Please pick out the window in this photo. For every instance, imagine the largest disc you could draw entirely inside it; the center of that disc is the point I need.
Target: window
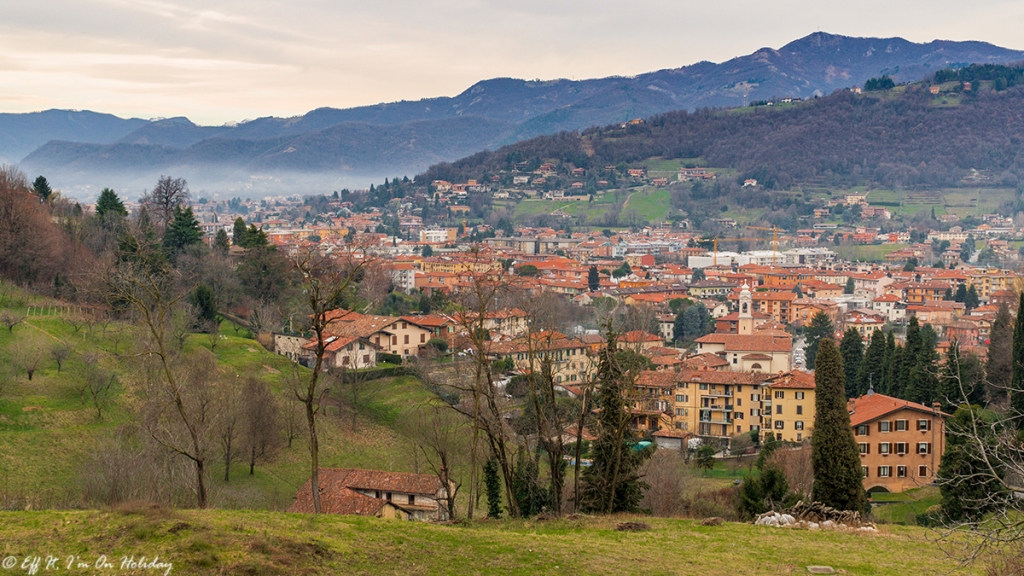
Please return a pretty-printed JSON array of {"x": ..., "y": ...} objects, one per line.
[
  {"x": 734, "y": 360},
  {"x": 864, "y": 471},
  {"x": 883, "y": 447},
  {"x": 901, "y": 426},
  {"x": 406, "y": 339},
  {"x": 863, "y": 447},
  {"x": 924, "y": 448},
  {"x": 703, "y": 386},
  {"x": 884, "y": 426},
  {"x": 799, "y": 395},
  {"x": 901, "y": 448},
  {"x": 778, "y": 408},
  {"x": 799, "y": 425},
  {"x": 862, "y": 430},
  {"x": 362, "y": 346},
  {"x": 780, "y": 394},
  {"x": 924, "y": 424},
  {"x": 405, "y": 325},
  {"x": 344, "y": 360},
  {"x": 901, "y": 471},
  {"x": 884, "y": 471},
  {"x": 366, "y": 358},
  {"x": 739, "y": 401},
  {"x": 779, "y": 425},
  {"x": 394, "y": 340},
  {"x": 423, "y": 338},
  {"x": 412, "y": 499},
  {"x": 922, "y": 471},
  {"x": 754, "y": 398},
  {"x": 799, "y": 436},
  {"x": 681, "y": 398},
  {"x": 753, "y": 412},
  {"x": 799, "y": 409},
  {"x": 389, "y": 497}
]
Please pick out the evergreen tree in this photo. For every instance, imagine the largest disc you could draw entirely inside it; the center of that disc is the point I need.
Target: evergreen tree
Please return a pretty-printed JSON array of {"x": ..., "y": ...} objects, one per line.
[
  {"x": 530, "y": 496},
  {"x": 255, "y": 238},
  {"x": 1017, "y": 381},
  {"x": 42, "y": 188},
  {"x": 182, "y": 231},
  {"x": 960, "y": 380},
  {"x": 427, "y": 251},
  {"x": 205, "y": 303},
  {"x": 850, "y": 286},
  {"x": 896, "y": 380},
  {"x": 593, "y": 279},
  {"x": 820, "y": 327},
  {"x": 873, "y": 366},
  {"x": 493, "y": 488},
  {"x": 612, "y": 483},
  {"x": 970, "y": 483},
  {"x": 697, "y": 275},
  {"x": 108, "y": 205},
  {"x": 890, "y": 353},
  {"x": 768, "y": 491},
  {"x": 852, "y": 350},
  {"x": 221, "y": 243},
  {"x": 961, "y": 293},
  {"x": 239, "y": 232},
  {"x": 999, "y": 366},
  {"x": 971, "y": 300},
  {"x": 923, "y": 383},
  {"x": 838, "y": 480}
]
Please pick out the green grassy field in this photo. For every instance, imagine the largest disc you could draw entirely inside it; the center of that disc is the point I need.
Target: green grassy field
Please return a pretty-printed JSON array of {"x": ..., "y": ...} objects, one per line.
[
  {"x": 904, "y": 507},
  {"x": 247, "y": 542},
  {"x": 48, "y": 432}
]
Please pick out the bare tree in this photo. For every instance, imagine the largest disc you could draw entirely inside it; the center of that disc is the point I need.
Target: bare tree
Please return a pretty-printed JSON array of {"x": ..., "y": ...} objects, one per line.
[
  {"x": 795, "y": 463},
  {"x": 97, "y": 383},
  {"x": 667, "y": 476},
  {"x": 375, "y": 285},
  {"x": 261, "y": 420},
  {"x": 168, "y": 194},
  {"x": 178, "y": 390},
  {"x": 28, "y": 353},
  {"x": 11, "y": 319},
  {"x": 440, "y": 438},
  {"x": 352, "y": 389},
  {"x": 230, "y": 424},
  {"x": 60, "y": 352},
  {"x": 325, "y": 279}
]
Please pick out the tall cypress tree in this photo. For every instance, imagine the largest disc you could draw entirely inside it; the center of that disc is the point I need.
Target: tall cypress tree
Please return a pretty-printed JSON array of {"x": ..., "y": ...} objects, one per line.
[
  {"x": 834, "y": 454},
  {"x": 612, "y": 483},
  {"x": 852, "y": 351},
  {"x": 873, "y": 366},
  {"x": 1017, "y": 383},
  {"x": 895, "y": 381},
  {"x": 890, "y": 352},
  {"x": 999, "y": 366},
  {"x": 593, "y": 279},
  {"x": 239, "y": 230}
]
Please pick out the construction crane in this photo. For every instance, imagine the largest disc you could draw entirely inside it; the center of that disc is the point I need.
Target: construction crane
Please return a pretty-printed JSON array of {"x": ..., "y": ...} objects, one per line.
[
  {"x": 775, "y": 238},
  {"x": 714, "y": 243}
]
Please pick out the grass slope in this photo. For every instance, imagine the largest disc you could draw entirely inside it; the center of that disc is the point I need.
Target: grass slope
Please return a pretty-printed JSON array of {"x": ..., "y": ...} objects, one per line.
[
  {"x": 237, "y": 542},
  {"x": 48, "y": 432}
]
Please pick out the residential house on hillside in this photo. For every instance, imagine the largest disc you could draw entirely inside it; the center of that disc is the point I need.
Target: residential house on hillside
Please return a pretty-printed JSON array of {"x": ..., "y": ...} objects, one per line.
[{"x": 397, "y": 495}]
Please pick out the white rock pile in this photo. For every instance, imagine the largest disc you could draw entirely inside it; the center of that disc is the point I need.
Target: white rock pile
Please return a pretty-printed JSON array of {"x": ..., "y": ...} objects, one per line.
[{"x": 815, "y": 516}]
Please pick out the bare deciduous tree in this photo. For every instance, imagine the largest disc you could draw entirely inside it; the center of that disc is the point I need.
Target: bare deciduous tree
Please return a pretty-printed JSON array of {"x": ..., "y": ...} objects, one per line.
[
  {"x": 325, "y": 280},
  {"x": 261, "y": 420},
  {"x": 11, "y": 319},
  {"x": 440, "y": 438},
  {"x": 28, "y": 353},
  {"x": 168, "y": 194},
  {"x": 60, "y": 352},
  {"x": 97, "y": 383},
  {"x": 230, "y": 423}
]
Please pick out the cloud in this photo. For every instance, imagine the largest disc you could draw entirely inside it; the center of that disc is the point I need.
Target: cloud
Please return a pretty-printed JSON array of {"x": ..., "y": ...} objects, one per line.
[{"x": 221, "y": 60}]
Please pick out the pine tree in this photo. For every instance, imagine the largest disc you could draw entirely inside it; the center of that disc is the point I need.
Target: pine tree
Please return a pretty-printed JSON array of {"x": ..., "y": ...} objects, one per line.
[
  {"x": 852, "y": 350},
  {"x": 971, "y": 300},
  {"x": 108, "y": 205},
  {"x": 873, "y": 366},
  {"x": 923, "y": 383},
  {"x": 834, "y": 454},
  {"x": 896, "y": 380},
  {"x": 612, "y": 483},
  {"x": 593, "y": 279},
  {"x": 183, "y": 231},
  {"x": 221, "y": 243},
  {"x": 819, "y": 327},
  {"x": 850, "y": 286},
  {"x": 1017, "y": 382},
  {"x": 239, "y": 230},
  {"x": 999, "y": 366},
  {"x": 42, "y": 188},
  {"x": 890, "y": 352}
]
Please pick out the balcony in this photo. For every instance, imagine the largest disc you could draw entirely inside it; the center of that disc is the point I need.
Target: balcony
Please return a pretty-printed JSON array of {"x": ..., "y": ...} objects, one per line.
[
  {"x": 711, "y": 420},
  {"x": 718, "y": 407},
  {"x": 727, "y": 394}
]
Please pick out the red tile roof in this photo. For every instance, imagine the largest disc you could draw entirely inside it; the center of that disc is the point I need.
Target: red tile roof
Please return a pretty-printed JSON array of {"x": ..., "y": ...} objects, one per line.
[
  {"x": 872, "y": 406},
  {"x": 750, "y": 342},
  {"x": 797, "y": 379}
]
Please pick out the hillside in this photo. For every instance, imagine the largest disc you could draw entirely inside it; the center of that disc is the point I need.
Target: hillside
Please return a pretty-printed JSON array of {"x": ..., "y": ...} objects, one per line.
[
  {"x": 905, "y": 138},
  {"x": 226, "y": 542},
  {"x": 491, "y": 113},
  {"x": 51, "y": 438}
]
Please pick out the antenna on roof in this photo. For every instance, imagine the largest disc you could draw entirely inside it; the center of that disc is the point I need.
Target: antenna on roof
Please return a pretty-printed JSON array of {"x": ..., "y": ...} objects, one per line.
[{"x": 871, "y": 387}]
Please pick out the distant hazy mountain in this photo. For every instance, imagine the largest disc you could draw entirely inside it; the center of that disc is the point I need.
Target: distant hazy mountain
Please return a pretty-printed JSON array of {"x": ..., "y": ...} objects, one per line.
[{"x": 328, "y": 148}]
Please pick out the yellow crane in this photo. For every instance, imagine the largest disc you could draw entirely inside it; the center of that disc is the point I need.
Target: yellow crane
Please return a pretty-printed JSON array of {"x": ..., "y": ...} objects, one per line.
[
  {"x": 714, "y": 242},
  {"x": 775, "y": 238}
]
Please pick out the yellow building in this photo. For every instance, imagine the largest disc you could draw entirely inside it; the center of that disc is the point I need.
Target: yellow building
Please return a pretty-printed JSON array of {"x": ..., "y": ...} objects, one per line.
[{"x": 788, "y": 406}]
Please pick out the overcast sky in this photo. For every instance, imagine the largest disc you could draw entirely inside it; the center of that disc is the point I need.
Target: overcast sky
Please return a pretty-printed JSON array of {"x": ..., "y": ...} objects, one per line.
[{"x": 226, "y": 60}]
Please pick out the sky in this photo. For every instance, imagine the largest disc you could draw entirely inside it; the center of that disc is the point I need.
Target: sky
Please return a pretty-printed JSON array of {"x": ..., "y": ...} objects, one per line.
[{"x": 218, "y": 61}]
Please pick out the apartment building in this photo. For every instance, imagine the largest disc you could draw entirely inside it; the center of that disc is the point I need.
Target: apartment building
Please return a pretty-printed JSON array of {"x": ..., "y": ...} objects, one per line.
[
  {"x": 900, "y": 442},
  {"x": 787, "y": 406}
]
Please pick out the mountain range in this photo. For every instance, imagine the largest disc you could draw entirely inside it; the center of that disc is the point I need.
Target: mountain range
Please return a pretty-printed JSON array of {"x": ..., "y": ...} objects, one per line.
[{"x": 328, "y": 148}]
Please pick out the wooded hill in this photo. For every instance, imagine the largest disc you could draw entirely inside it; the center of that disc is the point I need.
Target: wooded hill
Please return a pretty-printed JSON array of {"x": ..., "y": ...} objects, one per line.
[{"x": 906, "y": 137}]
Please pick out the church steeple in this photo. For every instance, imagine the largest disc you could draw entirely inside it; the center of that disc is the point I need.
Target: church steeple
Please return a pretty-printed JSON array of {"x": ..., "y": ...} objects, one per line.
[{"x": 746, "y": 318}]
